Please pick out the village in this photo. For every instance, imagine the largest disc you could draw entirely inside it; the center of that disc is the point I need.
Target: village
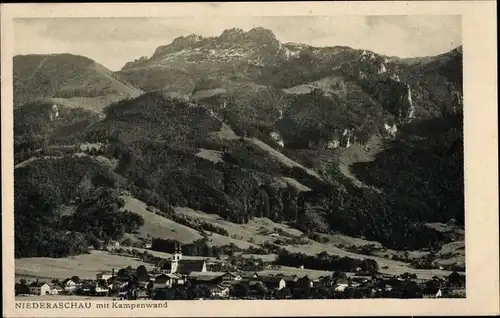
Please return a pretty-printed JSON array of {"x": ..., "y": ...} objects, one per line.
[{"x": 183, "y": 279}]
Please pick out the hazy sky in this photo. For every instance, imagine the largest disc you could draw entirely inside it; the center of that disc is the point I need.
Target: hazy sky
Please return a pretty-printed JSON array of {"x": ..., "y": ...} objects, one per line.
[{"x": 115, "y": 41}]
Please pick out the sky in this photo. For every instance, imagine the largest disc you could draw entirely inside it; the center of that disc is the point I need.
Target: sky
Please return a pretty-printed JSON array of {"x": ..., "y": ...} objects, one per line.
[{"x": 115, "y": 41}]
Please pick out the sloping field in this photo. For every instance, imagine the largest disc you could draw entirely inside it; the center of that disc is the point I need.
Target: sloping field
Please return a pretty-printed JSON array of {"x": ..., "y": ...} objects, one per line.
[
  {"x": 340, "y": 239},
  {"x": 297, "y": 185},
  {"x": 281, "y": 157},
  {"x": 220, "y": 240},
  {"x": 227, "y": 133},
  {"x": 84, "y": 266},
  {"x": 254, "y": 230},
  {"x": 296, "y": 271},
  {"x": 158, "y": 226},
  {"x": 358, "y": 153},
  {"x": 163, "y": 254}
]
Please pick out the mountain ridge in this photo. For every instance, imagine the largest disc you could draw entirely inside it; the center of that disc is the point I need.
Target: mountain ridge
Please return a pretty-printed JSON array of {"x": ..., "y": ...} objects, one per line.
[
  {"x": 261, "y": 127},
  {"x": 67, "y": 76}
]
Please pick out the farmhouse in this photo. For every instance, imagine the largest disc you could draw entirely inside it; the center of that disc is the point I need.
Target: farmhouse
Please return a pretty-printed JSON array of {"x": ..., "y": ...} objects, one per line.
[
  {"x": 105, "y": 275},
  {"x": 273, "y": 282},
  {"x": 219, "y": 291},
  {"x": 224, "y": 279},
  {"x": 69, "y": 285},
  {"x": 167, "y": 281},
  {"x": 55, "y": 289},
  {"x": 341, "y": 284},
  {"x": 39, "y": 288},
  {"x": 101, "y": 290}
]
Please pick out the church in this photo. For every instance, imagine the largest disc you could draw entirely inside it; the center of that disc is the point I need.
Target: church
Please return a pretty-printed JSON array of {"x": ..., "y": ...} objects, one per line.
[{"x": 177, "y": 265}]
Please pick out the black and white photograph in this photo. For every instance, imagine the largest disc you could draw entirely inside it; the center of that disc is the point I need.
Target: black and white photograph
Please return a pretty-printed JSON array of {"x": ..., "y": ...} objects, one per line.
[{"x": 238, "y": 158}]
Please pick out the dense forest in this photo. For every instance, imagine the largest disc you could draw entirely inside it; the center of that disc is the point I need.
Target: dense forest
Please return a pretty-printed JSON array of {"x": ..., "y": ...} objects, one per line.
[
  {"x": 156, "y": 153},
  {"x": 62, "y": 206}
]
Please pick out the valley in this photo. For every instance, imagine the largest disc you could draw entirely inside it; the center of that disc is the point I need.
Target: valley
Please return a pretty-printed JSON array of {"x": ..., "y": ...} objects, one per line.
[{"x": 240, "y": 148}]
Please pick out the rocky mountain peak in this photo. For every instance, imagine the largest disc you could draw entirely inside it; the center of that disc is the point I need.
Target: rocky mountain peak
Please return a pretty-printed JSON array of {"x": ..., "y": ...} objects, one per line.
[{"x": 232, "y": 34}]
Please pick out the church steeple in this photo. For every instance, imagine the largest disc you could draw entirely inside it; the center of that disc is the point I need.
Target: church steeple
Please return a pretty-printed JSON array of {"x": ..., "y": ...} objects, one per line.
[
  {"x": 178, "y": 252},
  {"x": 174, "y": 264}
]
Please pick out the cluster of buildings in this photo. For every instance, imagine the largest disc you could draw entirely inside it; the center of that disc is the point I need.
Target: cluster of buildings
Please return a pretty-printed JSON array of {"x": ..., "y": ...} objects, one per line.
[{"x": 179, "y": 272}]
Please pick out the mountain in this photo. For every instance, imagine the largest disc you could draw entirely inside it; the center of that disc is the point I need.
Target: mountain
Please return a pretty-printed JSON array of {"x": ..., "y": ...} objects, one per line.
[
  {"x": 243, "y": 127},
  {"x": 310, "y": 91},
  {"x": 66, "y": 79}
]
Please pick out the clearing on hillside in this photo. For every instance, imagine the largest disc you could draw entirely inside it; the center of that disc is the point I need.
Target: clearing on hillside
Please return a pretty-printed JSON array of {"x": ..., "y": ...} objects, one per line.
[{"x": 158, "y": 226}]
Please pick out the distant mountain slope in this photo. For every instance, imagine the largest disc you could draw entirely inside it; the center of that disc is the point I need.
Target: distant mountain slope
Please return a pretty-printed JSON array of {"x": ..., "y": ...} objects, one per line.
[
  {"x": 238, "y": 72},
  {"x": 243, "y": 126},
  {"x": 76, "y": 78}
]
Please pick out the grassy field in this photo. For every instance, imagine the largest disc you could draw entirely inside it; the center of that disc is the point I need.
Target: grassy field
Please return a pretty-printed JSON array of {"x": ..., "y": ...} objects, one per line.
[
  {"x": 84, "y": 266},
  {"x": 257, "y": 231},
  {"x": 252, "y": 231},
  {"x": 158, "y": 226}
]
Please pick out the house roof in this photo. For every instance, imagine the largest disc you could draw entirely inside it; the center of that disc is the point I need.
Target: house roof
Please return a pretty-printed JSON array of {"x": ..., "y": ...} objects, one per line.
[
  {"x": 38, "y": 284},
  {"x": 165, "y": 277},
  {"x": 205, "y": 276},
  {"x": 188, "y": 266},
  {"x": 342, "y": 281},
  {"x": 271, "y": 279},
  {"x": 213, "y": 274},
  {"x": 249, "y": 274},
  {"x": 249, "y": 282},
  {"x": 288, "y": 278}
]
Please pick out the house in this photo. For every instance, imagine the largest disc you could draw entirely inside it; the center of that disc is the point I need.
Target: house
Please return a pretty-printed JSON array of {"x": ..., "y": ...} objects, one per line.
[
  {"x": 305, "y": 282},
  {"x": 167, "y": 281},
  {"x": 341, "y": 284},
  {"x": 249, "y": 275},
  {"x": 437, "y": 294},
  {"x": 105, "y": 275},
  {"x": 242, "y": 284},
  {"x": 101, "y": 290},
  {"x": 273, "y": 282},
  {"x": 325, "y": 281},
  {"x": 205, "y": 278},
  {"x": 39, "y": 288},
  {"x": 219, "y": 291},
  {"x": 144, "y": 280},
  {"x": 290, "y": 280},
  {"x": 86, "y": 287},
  {"x": 177, "y": 265},
  {"x": 229, "y": 277},
  {"x": 141, "y": 294},
  {"x": 55, "y": 289},
  {"x": 69, "y": 285}
]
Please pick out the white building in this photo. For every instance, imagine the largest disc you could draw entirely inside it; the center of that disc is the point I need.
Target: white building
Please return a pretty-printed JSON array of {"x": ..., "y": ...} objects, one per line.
[
  {"x": 39, "y": 289},
  {"x": 70, "y": 285},
  {"x": 103, "y": 275}
]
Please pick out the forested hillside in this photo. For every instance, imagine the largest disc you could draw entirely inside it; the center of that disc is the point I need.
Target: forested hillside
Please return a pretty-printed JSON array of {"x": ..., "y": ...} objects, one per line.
[{"x": 240, "y": 126}]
